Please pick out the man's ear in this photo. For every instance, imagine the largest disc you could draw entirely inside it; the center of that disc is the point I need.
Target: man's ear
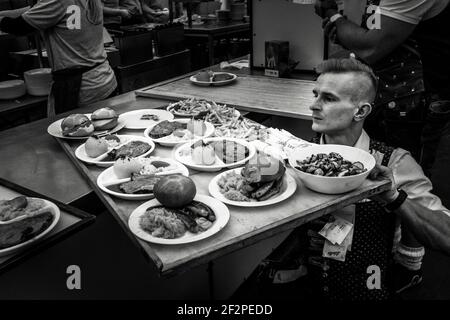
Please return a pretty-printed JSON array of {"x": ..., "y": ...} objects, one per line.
[{"x": 363, "y": 111}]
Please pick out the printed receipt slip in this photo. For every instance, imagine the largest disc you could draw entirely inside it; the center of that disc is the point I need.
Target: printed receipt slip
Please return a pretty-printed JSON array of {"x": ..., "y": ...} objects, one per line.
[
  {"x": 336, "y": 231},
  {"x": 339, "y": 236}
]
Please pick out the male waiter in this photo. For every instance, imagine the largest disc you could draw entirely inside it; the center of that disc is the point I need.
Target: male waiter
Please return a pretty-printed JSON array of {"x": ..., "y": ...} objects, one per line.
[{"x": 410, "y": 35}]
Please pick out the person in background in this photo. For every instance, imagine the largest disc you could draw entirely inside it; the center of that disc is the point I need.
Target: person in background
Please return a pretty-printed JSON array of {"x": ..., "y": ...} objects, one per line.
[
  {"x": 412, "y": 38},
  {"x": 113, "y": 14},
  {"x": 345, "y": 91},
  {"x": 73, "y": 34},
  {"x": 154, "y": 11},
  {"x": 134, "y": 7}
]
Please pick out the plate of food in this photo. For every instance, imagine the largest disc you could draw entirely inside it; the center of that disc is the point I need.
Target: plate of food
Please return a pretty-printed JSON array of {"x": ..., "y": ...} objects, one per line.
[
  {"x": 209, "y": 78},
  {"x": 178, "y": 215},
  {"x": 217, "y": 114},
  {"x": 240, "y": 129},
  {"x": 172, "y": 132},
  {"x": 261, "y": 182},
  {"x": 104, "y": 151},
  {"x": 143, "y": 118},
  {"x": 135, "y": 178},
  {"x": 331, "y": 168},
  {"x": 81, "y": 126},
  {"x": 222, "y": 115},
  {"x": 214, "y": 154},
  {"x": 24, "y": 221},
  {"x": 191, "y": 107}
]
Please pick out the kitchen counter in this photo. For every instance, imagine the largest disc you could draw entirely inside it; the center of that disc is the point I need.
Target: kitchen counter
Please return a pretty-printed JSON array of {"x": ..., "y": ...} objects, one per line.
[{"x": 24, "y": 102}]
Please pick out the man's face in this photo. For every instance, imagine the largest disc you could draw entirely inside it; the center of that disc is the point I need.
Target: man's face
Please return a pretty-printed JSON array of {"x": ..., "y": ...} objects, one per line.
[{"x": 333, "y": 109}]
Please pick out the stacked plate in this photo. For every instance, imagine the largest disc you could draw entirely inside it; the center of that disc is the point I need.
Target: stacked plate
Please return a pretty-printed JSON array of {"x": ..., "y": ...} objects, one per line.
[
  {"x": 38, "y": 81},
  {"x": 12, "y": 89}
]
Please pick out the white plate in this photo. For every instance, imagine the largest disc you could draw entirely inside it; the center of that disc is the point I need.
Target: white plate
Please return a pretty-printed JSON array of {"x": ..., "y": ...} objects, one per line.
[
  {"x": 183, "y": 155},
  {"x": 170, "y": 141},
  {"x": 220, "y": 210},
  {"x": 108, "y": 176},
  {"x": 172, "y": 110},
  {"x": 55, "y": 129},
  {"x": 56, "y": 215},
  {"x": 80, "y": 152},
  {"x": 133, "y": 120},
  {"x": 287, "y": 190},
  {"x": 194, "y": 80}
]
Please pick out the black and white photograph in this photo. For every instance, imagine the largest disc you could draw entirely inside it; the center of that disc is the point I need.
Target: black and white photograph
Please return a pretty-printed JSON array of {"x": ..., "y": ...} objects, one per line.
[{"x": 225, "y": 158}]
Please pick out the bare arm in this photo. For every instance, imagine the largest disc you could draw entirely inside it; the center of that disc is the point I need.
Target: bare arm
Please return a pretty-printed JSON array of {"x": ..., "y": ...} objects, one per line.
[
  {"x": 146, "y": 9},
  {"x": 431, "y": 228},
  {"x": 11, "y": 21},
  {"x": 14, "y": 13},
  {"x": 114, "y": 12},
  {"x": 373, "y": 45},
  {"x": 370, "y": 45}
]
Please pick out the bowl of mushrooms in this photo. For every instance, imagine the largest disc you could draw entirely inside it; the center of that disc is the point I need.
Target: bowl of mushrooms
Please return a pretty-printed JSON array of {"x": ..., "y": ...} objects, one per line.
[{"x": 331, "y": 168}]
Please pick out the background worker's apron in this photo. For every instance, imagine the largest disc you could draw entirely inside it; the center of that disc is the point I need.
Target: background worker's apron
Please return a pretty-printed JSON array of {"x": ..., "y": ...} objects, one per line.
[{"x": 65, "y": 91}]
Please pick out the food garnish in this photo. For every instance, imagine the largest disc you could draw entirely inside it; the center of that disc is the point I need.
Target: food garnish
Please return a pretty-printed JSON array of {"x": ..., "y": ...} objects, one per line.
[{"x": 152, "y": 117}]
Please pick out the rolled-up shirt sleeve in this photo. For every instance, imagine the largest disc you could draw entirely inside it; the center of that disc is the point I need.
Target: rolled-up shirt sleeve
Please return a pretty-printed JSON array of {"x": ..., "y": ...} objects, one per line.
[
  {"x": 409, "y": 176},
  {"x": 45, "y": 14},
  {"x": 410, "y": 11}
]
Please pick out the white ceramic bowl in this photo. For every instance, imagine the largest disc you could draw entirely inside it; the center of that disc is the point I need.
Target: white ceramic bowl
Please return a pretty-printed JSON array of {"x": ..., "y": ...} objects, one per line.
[
  {"x": 38, "y": 81},
  {"x": 333, "y": 185}
]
